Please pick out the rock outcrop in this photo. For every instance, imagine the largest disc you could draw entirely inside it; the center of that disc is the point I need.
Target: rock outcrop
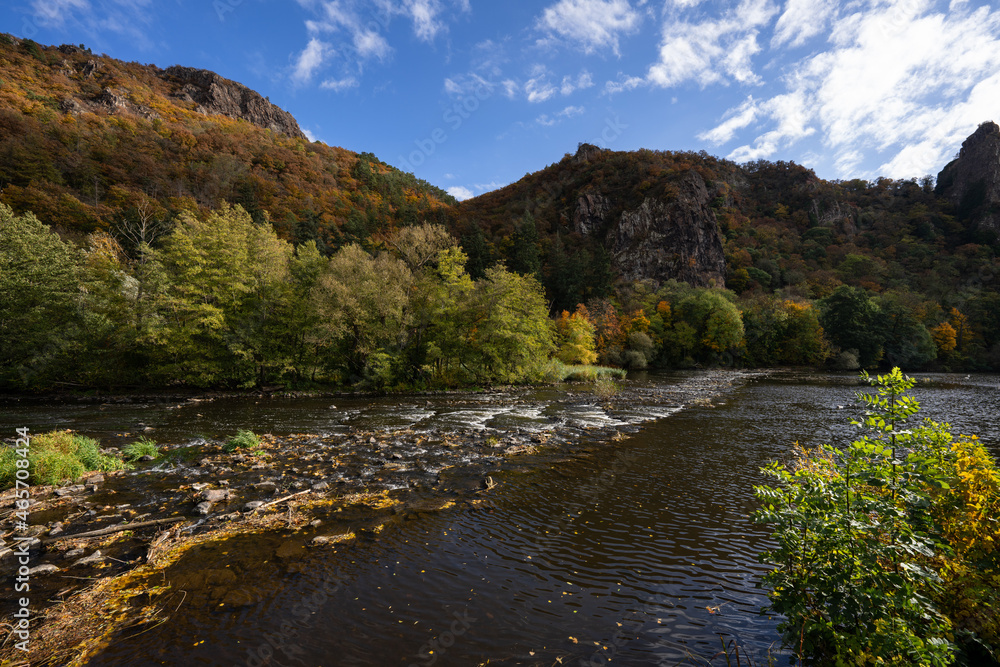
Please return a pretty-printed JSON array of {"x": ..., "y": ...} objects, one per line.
[
  {"x": 217, "y": 95},
  {"x": 590, "y": 214},
  {"x": 972, "y": 181},
  {"x": 675, "y": 239}
]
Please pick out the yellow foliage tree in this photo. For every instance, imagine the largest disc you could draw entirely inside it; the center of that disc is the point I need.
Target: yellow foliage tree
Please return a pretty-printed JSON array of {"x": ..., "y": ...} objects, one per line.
[
  {"x": 576, "y": 338},
  {"x": 945, "y": 336}
]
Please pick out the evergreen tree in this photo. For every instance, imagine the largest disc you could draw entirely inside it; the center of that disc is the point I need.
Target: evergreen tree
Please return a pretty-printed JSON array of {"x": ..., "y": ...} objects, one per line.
[{"x": 524, "y": 255}]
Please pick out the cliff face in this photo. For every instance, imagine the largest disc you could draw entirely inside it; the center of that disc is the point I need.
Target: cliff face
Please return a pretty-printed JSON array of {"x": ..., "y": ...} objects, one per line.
[
  {"x": 215, "y": 94},
  {"x": 972, "y": 182},
  {"x": 659, "y": 239},
  {"x": 676, "y": 239}
]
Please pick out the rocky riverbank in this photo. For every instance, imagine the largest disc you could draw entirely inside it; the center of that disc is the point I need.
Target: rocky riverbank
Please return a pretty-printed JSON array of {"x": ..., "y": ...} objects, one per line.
[{"x": 121, "y": 550}]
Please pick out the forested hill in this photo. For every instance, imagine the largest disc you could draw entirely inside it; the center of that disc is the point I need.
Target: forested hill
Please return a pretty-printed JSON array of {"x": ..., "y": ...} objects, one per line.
[
  {"x": 782, "y": 228},
  {"x": 91, "y": 143},
  {"x": 178, "y": 228}
]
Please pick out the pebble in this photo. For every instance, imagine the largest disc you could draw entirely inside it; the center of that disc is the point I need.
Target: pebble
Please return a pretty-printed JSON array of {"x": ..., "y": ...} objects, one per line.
[
  {"x": 252, "y": 505},
  {"x": 203, "y": 508},
  {"x": 45, "y": 568},
  {"x": 92, "y": 559}
]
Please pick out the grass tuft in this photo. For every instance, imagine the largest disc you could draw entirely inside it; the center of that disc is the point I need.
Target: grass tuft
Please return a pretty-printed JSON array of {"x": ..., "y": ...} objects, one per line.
[
  {"x": 139, "y": 448},
  {"x": 243, "y": 440}
]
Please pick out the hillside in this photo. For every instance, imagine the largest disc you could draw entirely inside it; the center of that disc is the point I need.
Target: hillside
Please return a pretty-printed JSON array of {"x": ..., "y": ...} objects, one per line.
[
  {"x": 923, "y": 259},
  {"x": 90, "y": 143},
  {"x": 162, "y": 270}
]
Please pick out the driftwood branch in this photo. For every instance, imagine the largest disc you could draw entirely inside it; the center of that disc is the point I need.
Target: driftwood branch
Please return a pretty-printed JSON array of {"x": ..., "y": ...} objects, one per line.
[
  {"x": 114, "y": 529},
  {"x": 280, "y": 500}
]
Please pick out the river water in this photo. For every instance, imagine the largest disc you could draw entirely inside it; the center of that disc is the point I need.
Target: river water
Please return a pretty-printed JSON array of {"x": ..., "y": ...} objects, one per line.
[{"x": 640, "y": 553}]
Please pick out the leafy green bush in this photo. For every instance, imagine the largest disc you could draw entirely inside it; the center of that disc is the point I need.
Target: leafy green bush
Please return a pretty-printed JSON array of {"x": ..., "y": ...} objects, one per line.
[
  {"x": 886, "y": 546},
  {"x": 55, "y": 457},
  {"x": 243, "y": 440},
  {"x": 141, "y": 447}
]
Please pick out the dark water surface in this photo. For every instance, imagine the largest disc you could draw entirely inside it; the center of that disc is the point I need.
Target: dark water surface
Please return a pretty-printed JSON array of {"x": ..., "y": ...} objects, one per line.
[{"x": 642, "y": 553}]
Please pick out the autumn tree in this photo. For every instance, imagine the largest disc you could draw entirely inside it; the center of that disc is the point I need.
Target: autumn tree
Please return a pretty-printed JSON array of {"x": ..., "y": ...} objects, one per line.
[{"x": 576, "y": 337}]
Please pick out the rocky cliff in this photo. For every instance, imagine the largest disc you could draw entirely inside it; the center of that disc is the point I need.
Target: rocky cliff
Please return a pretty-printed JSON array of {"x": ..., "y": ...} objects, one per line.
[
  {"x": 199, "y": 90},
  {"x": 659, "y": 239},
  {"x": 671, "y": 239},
  {"x": 972, "y": 181},
  {"x": 217, "y": 95}
]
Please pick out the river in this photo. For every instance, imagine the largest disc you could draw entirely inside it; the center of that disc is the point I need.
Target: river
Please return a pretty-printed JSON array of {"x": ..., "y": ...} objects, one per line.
[{"x": 639, "y": 552}]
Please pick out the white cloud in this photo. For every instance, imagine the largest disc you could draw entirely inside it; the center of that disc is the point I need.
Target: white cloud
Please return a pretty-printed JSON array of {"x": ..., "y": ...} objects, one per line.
[
  {"x": 582, "y": 82},
  {"x": 801, "y": 20},
  {"x": 737, "y": 119},
  {"x": 55, "y": 12},
  {"x": 365, "y": 26},
  {"x": 460, "y": 193},
  {"x": 339, "y": 85},
  {"x": 571, "y": 111},
  {"x": 424, "y": 14},
  {"x": 310, "y": 60},
  {"x": 539, "y": 88},
  {"x": 545, "y": 120},
  {"x": 309, "y": 135},
  {"x": 624, "y": 83},
  {"x": 590, "y": 25},
  {"x": 713, "y": 50},
  {"x": 370, "y": 44},
  {"x": 791, "y": 116},
  {"x": 900, "y": 86}
]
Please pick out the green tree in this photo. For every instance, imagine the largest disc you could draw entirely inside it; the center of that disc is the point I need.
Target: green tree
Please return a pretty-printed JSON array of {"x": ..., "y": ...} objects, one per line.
[
  {"x": 512, "y": 335},
  {"x": 850, "y": 320},
  {"x": 226, "y": 278},
  {"x": 707, "y": 326},
  {"x": 442, "y": 317},
  {"x": 361, "y": 302},
  {"x": 525, "y": 257},
  {"x": 40, "y": 302},
  {"x": 907, "y": 342}
]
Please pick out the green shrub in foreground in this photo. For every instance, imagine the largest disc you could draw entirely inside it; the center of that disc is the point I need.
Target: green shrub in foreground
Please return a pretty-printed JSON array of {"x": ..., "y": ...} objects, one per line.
[
  {"x": 56, "y": 457},
  {"x": 243, "y": 440},
  {"x": 887, "y": 545}
]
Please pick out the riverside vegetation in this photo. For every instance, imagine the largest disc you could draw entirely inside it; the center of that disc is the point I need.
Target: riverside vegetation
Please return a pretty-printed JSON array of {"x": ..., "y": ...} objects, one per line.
[{"x": 887, "y": 547}]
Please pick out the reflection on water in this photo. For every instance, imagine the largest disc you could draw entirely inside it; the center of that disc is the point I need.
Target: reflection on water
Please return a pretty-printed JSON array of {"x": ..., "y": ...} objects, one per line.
[{"x": 641, "y": 553}]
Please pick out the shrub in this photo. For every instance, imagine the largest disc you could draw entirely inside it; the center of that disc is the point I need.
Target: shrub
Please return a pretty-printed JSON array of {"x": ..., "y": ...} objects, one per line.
[
  {"x": 141, "y": 447},
  {"x": 604, "y": 387},
  {"x": 887, "y": 547},
  {"x": 243, "y": 440}
]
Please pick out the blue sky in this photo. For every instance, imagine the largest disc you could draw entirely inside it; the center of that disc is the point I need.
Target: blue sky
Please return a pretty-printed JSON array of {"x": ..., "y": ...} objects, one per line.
[{"x": 471, "y": 95}]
